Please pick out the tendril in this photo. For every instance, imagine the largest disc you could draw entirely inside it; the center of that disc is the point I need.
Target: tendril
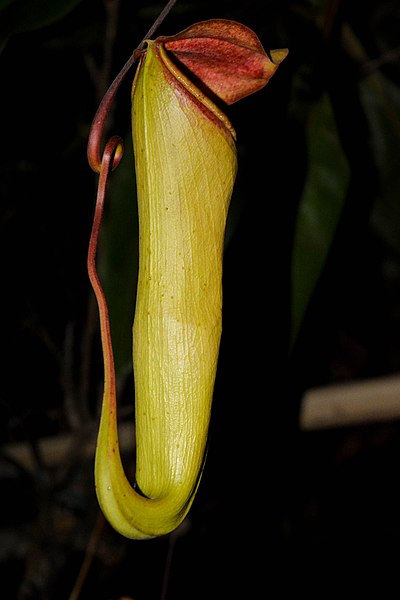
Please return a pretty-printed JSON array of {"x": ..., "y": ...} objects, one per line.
[
  {"x": 111, "y": 148},
  {"x": 94, "y": 155},
  {"x": 95, "y": 158}
]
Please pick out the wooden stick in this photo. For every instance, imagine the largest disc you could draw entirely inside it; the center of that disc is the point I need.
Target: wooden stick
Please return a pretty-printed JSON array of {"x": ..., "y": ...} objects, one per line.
[
  {"x": 56, "y": 449},
  {"x": 348, "y": 404}
]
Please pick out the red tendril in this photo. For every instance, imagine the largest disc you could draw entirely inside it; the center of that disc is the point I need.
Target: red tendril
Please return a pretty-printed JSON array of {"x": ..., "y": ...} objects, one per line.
[{"x": 94, "y": 155}]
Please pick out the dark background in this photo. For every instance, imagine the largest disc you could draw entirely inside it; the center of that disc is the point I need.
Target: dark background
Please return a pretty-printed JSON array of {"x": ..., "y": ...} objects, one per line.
[{"x": 279, "y": 510}]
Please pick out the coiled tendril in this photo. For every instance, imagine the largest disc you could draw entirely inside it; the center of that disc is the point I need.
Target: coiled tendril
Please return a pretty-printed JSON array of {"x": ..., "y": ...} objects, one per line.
[{"x": 114, "y": 147}]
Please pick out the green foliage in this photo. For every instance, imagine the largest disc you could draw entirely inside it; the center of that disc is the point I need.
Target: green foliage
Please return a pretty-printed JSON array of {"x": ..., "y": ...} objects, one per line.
[
  {"x": 18, "y": 16},
  {"x": 320, "y": 206},
  {"x": 381, "y": 101}
]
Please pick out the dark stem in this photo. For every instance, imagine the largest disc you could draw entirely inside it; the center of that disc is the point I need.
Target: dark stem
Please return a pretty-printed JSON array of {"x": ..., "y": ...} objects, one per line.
[{"x": 157, "y": 22}]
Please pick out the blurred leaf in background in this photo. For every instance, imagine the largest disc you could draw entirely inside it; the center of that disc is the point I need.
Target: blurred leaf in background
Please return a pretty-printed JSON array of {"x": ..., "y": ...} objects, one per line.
[
  {"x": 320, "y": 206},
  {"x": 19, "y": 16}
]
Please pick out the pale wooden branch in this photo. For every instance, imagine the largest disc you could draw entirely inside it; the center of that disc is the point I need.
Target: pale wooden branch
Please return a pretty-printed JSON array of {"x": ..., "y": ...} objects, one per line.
[
  {"x": 56, "y": 450},
  {"x": 351, "y": 404}
]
